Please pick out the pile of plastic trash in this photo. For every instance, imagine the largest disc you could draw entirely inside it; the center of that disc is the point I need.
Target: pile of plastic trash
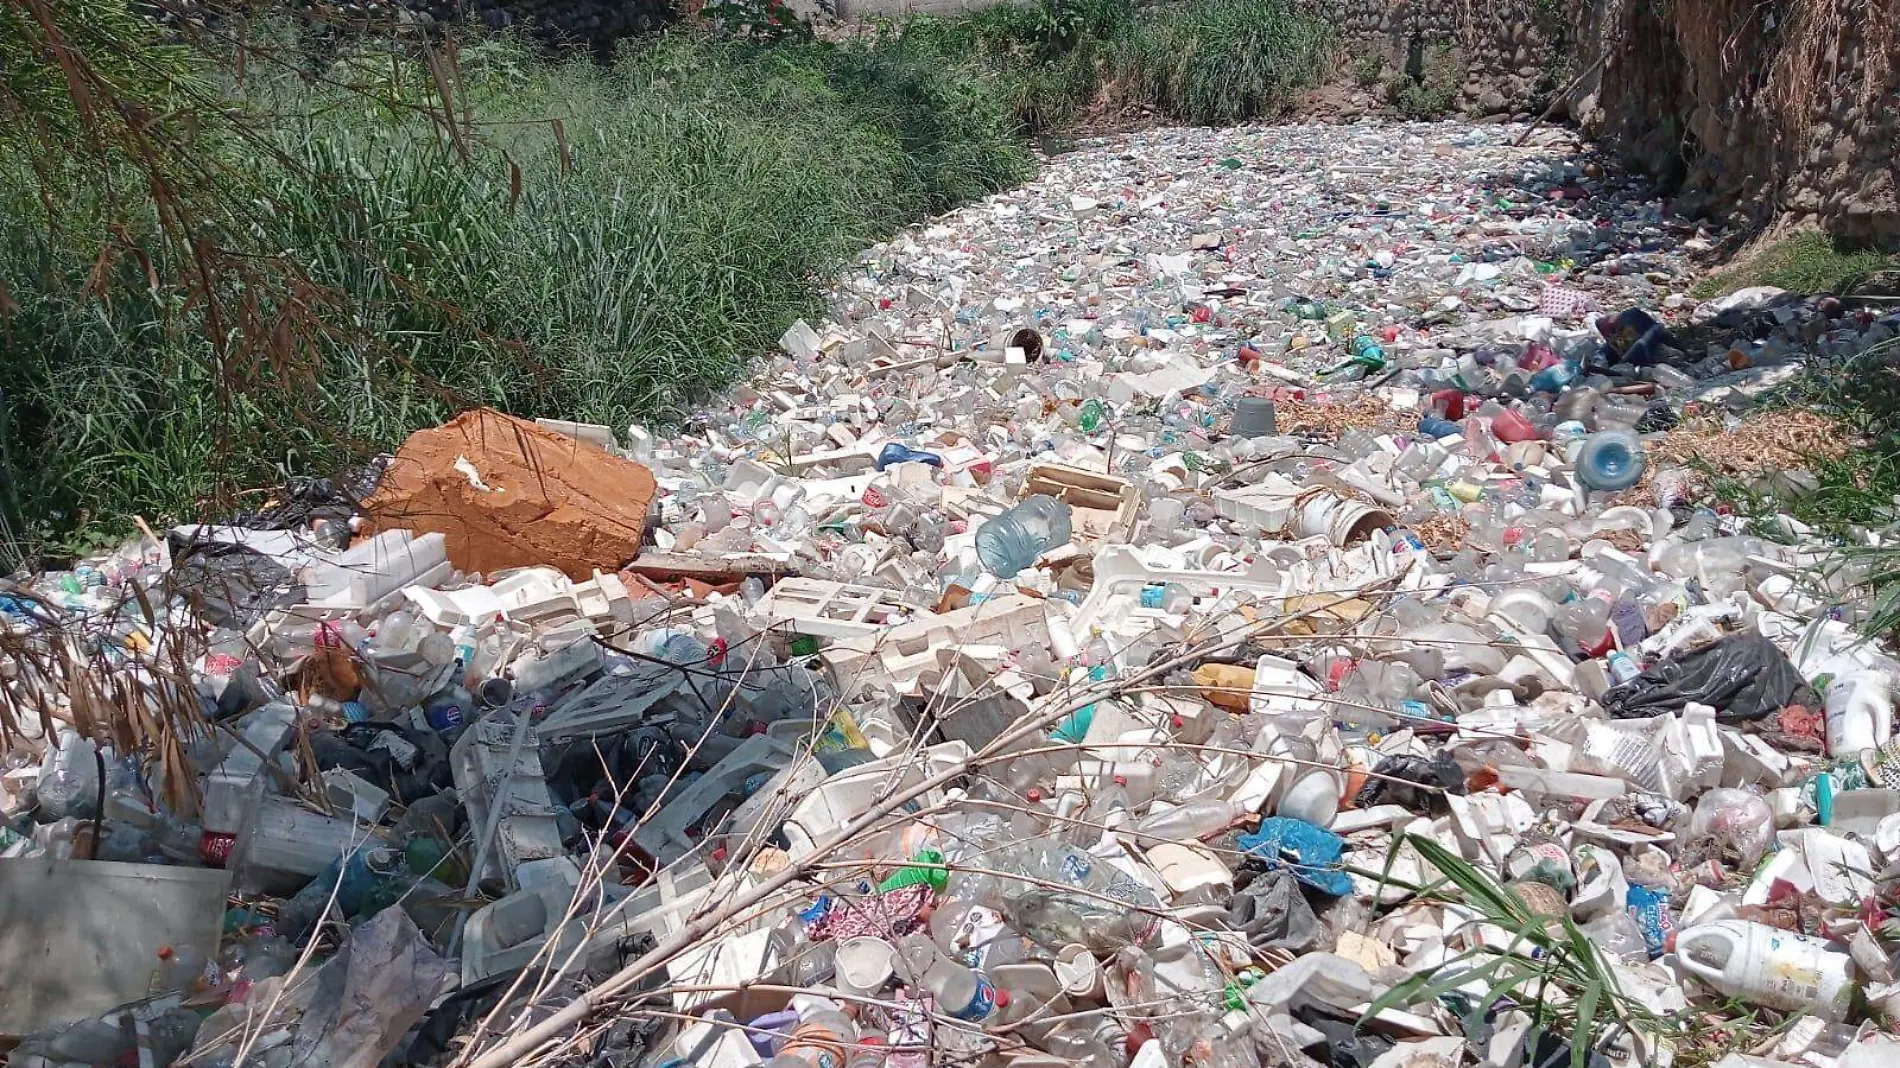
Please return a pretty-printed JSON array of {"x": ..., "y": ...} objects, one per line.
[{"x": 1213, "y": 606}]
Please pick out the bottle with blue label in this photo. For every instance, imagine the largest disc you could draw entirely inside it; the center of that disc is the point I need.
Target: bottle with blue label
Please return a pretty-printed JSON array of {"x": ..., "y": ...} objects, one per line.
[
  {"x": 446, "y": 710},
  {"x": 961, "y": 992}
]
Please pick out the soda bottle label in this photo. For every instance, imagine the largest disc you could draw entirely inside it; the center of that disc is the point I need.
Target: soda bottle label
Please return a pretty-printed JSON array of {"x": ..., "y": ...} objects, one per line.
[
  {"x": 445, "y": 716},
  {"x": 982, "y": 1001}
]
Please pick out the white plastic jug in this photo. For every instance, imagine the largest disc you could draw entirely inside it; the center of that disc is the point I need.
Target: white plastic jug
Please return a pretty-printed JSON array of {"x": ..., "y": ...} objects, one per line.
[
  {"x": 1859, "y": 712},
  {"x": 1778, "y": 968}
]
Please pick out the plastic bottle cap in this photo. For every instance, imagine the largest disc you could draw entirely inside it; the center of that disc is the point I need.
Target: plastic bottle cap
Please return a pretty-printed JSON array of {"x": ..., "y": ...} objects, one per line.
[
  {"x": 1121, "y": 780},
  {"x": 1034, "y": 794},
  {"x": 165, "y": 953},
  {"x": 1002, "y": 998},
  {"x": 1669, "y": 942}
]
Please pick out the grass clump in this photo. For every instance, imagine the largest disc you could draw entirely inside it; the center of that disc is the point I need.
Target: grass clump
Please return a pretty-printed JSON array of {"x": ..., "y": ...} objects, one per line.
[
  {"x": 600, "y": 243},
  {"x": 1428, "y": 87},
  {"x": 1221, "y": 61},
  {"x": 1808, "y": 262},
  {"x": 244, "y": 277},
  {"x": 1202, "y": 62}
]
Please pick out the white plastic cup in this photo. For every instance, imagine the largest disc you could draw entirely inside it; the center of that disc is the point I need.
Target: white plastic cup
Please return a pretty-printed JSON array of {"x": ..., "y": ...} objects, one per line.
[{"x": 864, "y": 965}]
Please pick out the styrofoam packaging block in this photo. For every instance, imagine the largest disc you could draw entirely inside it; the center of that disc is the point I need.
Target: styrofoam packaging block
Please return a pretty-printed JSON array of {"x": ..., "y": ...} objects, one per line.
[
  {"x": 529, "y": 594},
  {"x": 374, "y": 568},
  {"x": 902, "y": 654},
  {"x": 284, "y": 845},
  {"x": 529, "y": 829},
  {"x": 851, "y": 793},
  {"x": 507, "y": 933},
  {"x": 592, "y": 433},
  {"x": 832, "y": 609},
  {"x": 354, "y": 794},
  {"x": 475, "y": 606},
  {"x": 1122, "y": 571},
  {"x": 1280, "y": 688}
]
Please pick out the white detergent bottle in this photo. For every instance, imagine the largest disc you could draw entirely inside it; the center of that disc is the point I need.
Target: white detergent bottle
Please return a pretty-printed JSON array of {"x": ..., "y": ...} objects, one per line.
[
  {"x": 1859, "y": 712},
  {"x": 1778, "y": 968}
]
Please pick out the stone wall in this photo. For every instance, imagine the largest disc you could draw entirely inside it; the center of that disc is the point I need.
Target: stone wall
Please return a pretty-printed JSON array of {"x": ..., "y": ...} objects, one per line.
[
  {"x": 1506, "y": 56},
  {"x": 1755, "y": 110}
]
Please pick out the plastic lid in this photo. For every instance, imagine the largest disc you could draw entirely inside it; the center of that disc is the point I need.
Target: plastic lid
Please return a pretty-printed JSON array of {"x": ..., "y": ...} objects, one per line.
[
  {"x": 1034, "y": 794},
  {"x": 1669, "y": 942},
  {"x": 1002, "y": 997},
  {"x": 1121, "y": 780}
]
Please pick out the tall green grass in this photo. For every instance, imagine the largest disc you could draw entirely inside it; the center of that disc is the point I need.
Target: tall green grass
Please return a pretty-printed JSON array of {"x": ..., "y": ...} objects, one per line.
[
  {"x": 604, "y": 243},
  {"x": 1202, "y": 62}
]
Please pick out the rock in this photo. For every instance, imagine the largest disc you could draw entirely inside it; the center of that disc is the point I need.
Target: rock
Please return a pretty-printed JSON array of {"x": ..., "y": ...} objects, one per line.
[{"x": 507, "y": 493}]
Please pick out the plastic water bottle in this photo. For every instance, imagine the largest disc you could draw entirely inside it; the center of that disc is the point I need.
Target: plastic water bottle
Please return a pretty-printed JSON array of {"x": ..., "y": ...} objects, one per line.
[
  {"x": 1556, "y": 377},
  {"x": 1192, "y": 820},
  {"x": 962, "y": 992},
  {"x": 1018, "y": 538},
  {"x": 1611, "y": 460}
]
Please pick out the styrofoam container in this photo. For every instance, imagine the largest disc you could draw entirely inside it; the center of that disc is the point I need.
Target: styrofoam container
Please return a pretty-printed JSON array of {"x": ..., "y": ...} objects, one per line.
[{"x": 374, "y": 568}]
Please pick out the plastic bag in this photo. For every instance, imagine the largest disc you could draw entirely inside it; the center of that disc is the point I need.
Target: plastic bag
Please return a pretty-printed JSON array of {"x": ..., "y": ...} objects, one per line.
[
  {"x": 1742, "y": 677},
  {"x": 1735, "y": 819},
  {"x": 1272, "y": 912},
  {"x": 370, "y": 994},
  {"x": 69, "y": 780},
  {"x": 1311, "y": 853},
  {"x": 1436, "y": 777}
]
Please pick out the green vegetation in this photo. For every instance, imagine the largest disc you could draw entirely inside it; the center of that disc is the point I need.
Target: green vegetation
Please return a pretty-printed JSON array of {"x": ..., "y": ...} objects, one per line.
[
  {"x": 1808, "y": 263},
  {"x": 1843, "y": 498},
  {"x": 1552, "y": 970},
  {"x": 1428, "y": 87},
  {"x": 1205, "y": 62},
  {"x": 223, "y": 264}
]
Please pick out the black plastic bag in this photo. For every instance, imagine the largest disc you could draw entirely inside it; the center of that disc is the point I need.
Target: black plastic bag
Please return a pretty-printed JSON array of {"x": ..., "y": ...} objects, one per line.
[
  {"x": 1272, "y": 912},
  {"x": 409, "y": 764},
  {"x": 1435, "y": 777},
  {"x": 1346, "y": 1045},
  {"x": 1742, "y": 677}
]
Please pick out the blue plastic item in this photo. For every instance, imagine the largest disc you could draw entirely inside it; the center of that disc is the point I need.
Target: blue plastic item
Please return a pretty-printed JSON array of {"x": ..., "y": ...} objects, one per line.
[
  {"x": 1018, "y": 538},
  {"x": 444, "y": 712},
  {"x": 1650, "y": 909},
  {"x": 1557, "y": 377},
  {"x": 1611, "y": 460},
  {"x": 898, "y": 453},
  {"x": 1433, "y": 427},
  {"x": 1311, "y": 853}
]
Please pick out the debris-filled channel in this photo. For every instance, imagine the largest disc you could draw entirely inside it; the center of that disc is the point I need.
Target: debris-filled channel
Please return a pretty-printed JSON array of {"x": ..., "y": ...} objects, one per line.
[{"x": 1232, "y": 601}]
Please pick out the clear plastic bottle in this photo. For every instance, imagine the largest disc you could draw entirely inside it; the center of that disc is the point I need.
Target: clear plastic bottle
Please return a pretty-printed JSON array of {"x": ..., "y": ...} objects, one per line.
[
  {"x": 1018, "y": 538},
  {"x": 1611, "y": 460},
  {"x": 820, "y": 1040},
  {"x": 1195, "y": 819},
  {"x": 181, "y": 969}
]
